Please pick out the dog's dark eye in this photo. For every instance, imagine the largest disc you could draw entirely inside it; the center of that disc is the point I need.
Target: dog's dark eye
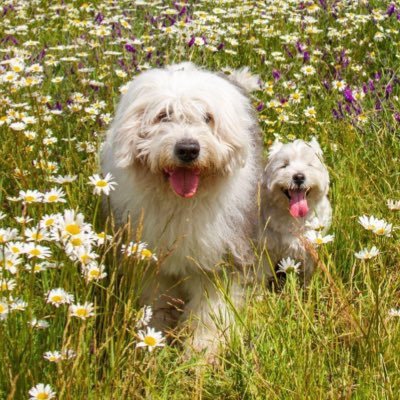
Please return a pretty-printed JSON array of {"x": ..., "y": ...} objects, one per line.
[
  {"x": 208, "y": 118},
  {"x": 162, "y": 117},
  {"x": 284, "y": 165}
]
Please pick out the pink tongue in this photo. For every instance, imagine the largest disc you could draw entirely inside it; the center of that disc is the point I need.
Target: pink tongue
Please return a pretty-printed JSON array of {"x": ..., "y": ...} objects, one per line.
[
  {"x": 298, "y": 203},
  {"x": 184, "y": 181}
]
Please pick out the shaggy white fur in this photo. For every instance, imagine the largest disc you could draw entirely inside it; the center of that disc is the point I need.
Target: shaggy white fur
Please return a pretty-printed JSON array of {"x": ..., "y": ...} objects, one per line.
[
  {"x": 294, "y": 200},
  {"x": 184, "y": 149}
]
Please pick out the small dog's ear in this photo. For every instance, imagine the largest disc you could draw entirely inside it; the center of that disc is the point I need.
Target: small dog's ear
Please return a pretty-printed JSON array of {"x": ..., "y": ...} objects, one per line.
[
  {"x": 275, "y": 147},
  {"x": 245, "y": 79},
  {"x": 315, "y": 146}
]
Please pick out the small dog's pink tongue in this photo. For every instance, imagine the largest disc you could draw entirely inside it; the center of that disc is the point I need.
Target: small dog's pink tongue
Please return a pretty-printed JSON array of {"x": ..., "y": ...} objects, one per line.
[
  {"x": 184, "y": 181},
  {"x": 298, "y": 203}
]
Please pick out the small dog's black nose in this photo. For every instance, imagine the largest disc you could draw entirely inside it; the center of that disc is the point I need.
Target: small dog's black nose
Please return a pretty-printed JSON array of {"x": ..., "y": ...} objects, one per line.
[
  {"x": 187, "y": 150},
  {"x": 299, "y": 178}
]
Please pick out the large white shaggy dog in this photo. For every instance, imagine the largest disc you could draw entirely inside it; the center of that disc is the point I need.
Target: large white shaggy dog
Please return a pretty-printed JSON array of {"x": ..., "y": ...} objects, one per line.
[
  {"x": 294, "y": 201},
  {"x": 184, "y": 149}
]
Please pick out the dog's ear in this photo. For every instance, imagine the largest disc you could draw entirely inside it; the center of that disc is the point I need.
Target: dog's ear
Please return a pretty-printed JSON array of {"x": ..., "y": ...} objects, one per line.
[
  {"x": 183, "y": 66},
  {"x": 315, "y": 146},
  {"x": 244, "y": 79},
  {"x": 275, "y": 147}
]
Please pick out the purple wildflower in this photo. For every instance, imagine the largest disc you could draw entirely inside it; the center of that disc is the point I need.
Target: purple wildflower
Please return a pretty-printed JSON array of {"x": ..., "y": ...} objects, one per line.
[
  {"x": 191, "y": 41},
  {"x": 348, "y": 94},
  {"x": 388, "y": 91},
  {"x": 276, "y": 74},
  {"x": 391, "y": 9},
  {"x": 130, "y": 48}
]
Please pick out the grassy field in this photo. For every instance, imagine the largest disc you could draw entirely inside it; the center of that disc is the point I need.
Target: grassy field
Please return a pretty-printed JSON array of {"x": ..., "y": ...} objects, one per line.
[{"x": 329, "y": 69}]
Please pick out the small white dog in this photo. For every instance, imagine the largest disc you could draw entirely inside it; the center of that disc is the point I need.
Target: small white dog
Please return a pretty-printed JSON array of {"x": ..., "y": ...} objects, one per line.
[
  {"x": 184, "y": 148},
  {"x": 295, "y": 188}
]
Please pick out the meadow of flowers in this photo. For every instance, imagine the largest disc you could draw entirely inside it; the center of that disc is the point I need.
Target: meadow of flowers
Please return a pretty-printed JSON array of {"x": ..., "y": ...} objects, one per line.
[{"x": 70, "y": 324}]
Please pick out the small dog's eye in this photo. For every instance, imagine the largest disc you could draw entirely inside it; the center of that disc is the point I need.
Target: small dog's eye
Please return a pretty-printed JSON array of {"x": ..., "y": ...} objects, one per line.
[
  {"x": 284, "y": 165},
  {"x": 162, "y": 117},
  {"x": 208, "y": 118}
]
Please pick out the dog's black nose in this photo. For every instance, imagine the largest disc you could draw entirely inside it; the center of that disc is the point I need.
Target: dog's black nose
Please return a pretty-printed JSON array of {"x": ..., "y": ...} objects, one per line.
[
  {"x": 187, "y": 150},
  {"x": 299, "y": 178}
]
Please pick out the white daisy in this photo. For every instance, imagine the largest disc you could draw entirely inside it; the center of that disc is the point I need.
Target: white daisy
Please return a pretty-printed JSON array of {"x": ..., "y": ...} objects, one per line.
[
  {"x": 18, "y": 305},
  {"x": 39, "y": 323},
  {"x": 7, "y": 285},
  {"x": 48, "y": 220},
  {"x": 315, "y": 224},
  {"x": 289, "y": 265},
  {"x": 150, "y": 339},
  {"x": 59, "y": 296},
  {"x": 393, "y": 312},
  {"x": 55, "y": 195},
  {"x": 41, "y": 392},
  {"x": 308, "y": 70},
  {"x": 8, "y": 234},
  {"x": 4, "y": 309},
  {"x": 10, "y": 262},
  {"x": 53, "y": 356},
  {"x": 94, "y": 272},
  {"x": 367, "y": 254},
  {"x": 138, "y": 250},
  {"x": 36, "y": 234},
  {"x": 102, "y": 185},
  {"x": 63, "y": 179},
  {"x": 393, "y": 205},
  {"x": 368, "y": 223},
  {"x": 317, "y": 238},
  {"x": 144, "y": 316},
  {"x": 82, "y": 311},
  {"x": 30, "y": 196},
  {"x": 36, "y": 250}
]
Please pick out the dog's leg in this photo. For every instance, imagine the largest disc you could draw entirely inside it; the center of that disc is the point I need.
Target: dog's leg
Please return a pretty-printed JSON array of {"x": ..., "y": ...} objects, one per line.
[
  {"x": 208, "y": 312},
  {"x": 164, "y": 295}
]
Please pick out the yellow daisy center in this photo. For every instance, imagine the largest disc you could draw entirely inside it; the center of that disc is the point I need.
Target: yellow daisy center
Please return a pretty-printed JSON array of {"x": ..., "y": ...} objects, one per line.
[
  {"x": 101, "y": 183},
  {"x": 16, "y": 68},
  {"x": 85, "y": 258},
  {"x": 35, "y": 252},
  {"x": 52, "y": 197},
  {"x": 81, "y": 312},
  {"x": 319, "y": 241},
  {"x": 37, "y": 267},
  {"x": 76, "y": 241},
  {"x": 29, "y": 199},
  {"x": 42, "y": 396},
  {"x": 49, "y": 222},
  {"x": 380, "y": 231},
  {"x": 4, "y": 286},
  {"x": 146, "y": 253},
  {"x": 73, "y": 229},
  {"x": 2, "y": 240},
  {"x": 134, "y": 248},
  {"x": 37, "y": 236},
  {"x": 94, "y": 272},
  {"x": 150, "y": 341},
  {"x": 56, "y": 298},
  {"x": 2, "y": 309}
]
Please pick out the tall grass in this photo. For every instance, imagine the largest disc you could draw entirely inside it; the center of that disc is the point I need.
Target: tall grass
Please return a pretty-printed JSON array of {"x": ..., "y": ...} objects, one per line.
[{"x": 334, "y": 340}]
